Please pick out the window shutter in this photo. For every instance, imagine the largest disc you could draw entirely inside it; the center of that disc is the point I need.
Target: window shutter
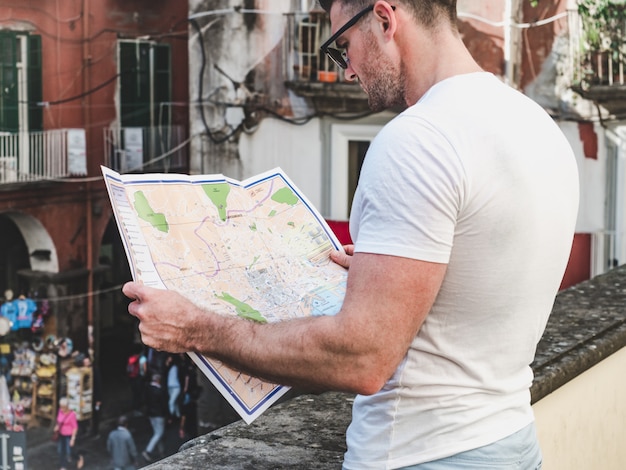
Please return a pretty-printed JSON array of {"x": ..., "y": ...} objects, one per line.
[
  {"x": 35, "y": 92},
  {"x": 162, "y": 84},
  {"x": 9, "y": 121}
]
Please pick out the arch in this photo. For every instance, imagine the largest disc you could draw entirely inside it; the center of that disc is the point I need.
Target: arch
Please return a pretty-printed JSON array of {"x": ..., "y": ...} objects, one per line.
[{"x": 41, "y": 250}]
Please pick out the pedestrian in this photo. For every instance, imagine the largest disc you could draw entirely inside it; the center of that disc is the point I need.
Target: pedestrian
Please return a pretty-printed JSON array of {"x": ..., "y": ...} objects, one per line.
[
  {"x": 133, "y": 372},
  {"x": 67, "y": 427},
  {"x": 462, "y": 221},
  {"x": 173, "y": 386},
  {"x": 188, "y": 426},
  {"x": 143, "y": 365},
  {"x": 121, "y": 446},
  {"x": 156, "y": 409},
  {"x": 156, "y": 362},
  {"x": 188, "y": 379}
]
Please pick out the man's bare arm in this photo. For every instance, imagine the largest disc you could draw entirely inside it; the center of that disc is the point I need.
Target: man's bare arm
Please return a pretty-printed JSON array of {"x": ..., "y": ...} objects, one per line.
[{"x": 356, "y": 350}]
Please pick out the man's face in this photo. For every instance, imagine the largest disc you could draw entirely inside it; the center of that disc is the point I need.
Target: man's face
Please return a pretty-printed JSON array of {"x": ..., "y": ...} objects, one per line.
[{"x": 380, "y": 78}]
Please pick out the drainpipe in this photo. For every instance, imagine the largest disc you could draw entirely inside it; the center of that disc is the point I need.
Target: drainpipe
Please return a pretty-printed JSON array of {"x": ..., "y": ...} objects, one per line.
[
  {"x": 86, "y": 123},
  {"x": 511, "y": 40},
  {"x": 508, "y": 8}
]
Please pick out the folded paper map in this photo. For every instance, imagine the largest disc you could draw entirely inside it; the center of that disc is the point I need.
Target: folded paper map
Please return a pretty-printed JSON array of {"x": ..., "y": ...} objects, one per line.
[{"x": 257, "y": 249}]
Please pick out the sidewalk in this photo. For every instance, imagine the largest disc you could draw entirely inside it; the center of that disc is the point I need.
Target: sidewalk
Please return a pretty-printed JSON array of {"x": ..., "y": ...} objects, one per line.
[{"x": 41, "y": 452}]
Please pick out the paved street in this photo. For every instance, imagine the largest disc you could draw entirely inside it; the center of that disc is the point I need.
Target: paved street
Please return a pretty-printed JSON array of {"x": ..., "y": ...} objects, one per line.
[{"x": 42, "y": 453}]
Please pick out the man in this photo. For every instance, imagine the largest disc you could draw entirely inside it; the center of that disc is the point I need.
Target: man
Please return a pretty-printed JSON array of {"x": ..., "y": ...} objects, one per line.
[
  {"x": 121, "y": 446},
  {"x": 463, "y": 221},
  {"x": 156, "y": 409}
]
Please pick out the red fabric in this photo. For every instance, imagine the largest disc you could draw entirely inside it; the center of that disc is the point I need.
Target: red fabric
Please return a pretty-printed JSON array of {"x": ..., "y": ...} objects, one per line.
[{"x": 341, "y": 228}]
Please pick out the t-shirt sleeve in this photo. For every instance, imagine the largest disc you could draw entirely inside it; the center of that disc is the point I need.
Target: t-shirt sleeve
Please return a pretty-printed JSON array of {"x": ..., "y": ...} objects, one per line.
[{"x": 409, "y": 194}]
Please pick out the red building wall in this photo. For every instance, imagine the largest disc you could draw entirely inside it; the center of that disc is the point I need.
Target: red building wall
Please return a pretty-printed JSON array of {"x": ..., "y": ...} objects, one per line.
[
  {"x": 79, "y": 64},
  {"x": 79, "y": 41}
]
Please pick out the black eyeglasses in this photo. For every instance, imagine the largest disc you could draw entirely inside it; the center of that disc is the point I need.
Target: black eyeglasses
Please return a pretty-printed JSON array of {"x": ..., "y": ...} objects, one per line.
[{"x": 338, "y": 56}]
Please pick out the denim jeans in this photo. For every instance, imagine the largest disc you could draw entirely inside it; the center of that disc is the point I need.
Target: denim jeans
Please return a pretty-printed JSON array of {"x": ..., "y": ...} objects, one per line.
[
  {"x": 173, "y": 393},
  {"x": 519, "y": 451},
  {"x": 158, "y": 427},
  {"x": 64, "y": 449}
]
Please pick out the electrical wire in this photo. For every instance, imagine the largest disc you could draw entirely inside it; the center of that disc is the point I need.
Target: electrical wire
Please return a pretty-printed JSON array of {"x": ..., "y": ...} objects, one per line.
[
  {"x": 84, "y": 295},
  {"x": 80, "y": 95},
  {"x": 500, "y": 24},
  {"x": 203, "y": 55}
]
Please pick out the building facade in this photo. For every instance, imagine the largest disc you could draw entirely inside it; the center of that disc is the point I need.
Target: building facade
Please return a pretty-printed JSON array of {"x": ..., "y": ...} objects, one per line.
[
  {"x": 262, "y": 95},
  {"x": 224, "y": 86},
  {"x": 82, "y": 84}
]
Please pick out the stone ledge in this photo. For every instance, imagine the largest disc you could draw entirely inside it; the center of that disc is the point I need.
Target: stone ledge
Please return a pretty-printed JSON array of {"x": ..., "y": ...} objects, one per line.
[
  {"x": 587, "y": 324},
  {"x": 306, "y": 432}
]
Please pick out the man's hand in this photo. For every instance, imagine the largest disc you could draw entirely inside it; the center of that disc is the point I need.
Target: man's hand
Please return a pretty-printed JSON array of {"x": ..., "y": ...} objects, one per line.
[
  {"x": 167, "y": 319},
  {"x": 343, "y": 259}
]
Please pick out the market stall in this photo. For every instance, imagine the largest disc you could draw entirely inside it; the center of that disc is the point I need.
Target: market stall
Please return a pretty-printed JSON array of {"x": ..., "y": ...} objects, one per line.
[{"x": 37, "y": 368}]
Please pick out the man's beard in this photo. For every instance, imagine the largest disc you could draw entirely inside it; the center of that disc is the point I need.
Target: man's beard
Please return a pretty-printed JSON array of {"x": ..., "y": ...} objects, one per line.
[{"x": 384, "y": 85}]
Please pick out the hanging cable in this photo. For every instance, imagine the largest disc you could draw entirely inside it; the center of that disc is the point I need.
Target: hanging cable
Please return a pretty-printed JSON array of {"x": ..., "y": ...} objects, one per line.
[
  {"x": 500, "y": 24},
  {"x": 81, "y": 95}
]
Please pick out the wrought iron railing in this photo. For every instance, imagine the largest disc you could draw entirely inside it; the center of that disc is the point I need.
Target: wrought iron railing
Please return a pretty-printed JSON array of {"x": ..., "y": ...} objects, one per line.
[
  {"x": 599, "y": 62},
  {"x": 146, "y": 149},
  {"x": 41, "y": 155},
  {"x": 302, "y": 57}
]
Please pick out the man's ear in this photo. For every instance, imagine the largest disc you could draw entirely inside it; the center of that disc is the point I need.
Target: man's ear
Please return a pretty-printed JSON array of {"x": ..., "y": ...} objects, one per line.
[{"x": 385, "y": 15}]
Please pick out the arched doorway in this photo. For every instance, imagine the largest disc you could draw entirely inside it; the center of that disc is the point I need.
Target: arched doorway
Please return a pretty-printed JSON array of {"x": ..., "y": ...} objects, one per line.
[{"x": 13, "y": 256}]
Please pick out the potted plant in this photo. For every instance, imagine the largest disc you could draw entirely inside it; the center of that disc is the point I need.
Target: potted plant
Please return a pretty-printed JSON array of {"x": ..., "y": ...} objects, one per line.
[{"x": 602, "y": 44}]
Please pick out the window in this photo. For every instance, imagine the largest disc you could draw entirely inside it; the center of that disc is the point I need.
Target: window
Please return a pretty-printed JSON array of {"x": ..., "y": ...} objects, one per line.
[
  {"x": 144, "y": 69},
  {"x": 349, "y": 143},
  {"x": 145, "y": 131},
  {"x": 20, "y": 82}
]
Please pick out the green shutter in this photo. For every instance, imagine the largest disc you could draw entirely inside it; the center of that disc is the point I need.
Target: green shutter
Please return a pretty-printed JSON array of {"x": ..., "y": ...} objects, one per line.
[
  {"x": 35, "y": 93},
  {"x": 140, "y": 93},
  {"x": 135, "y": 84},
  {"x": 9, "y": 120},
  {"x": 162, "y": 84}
]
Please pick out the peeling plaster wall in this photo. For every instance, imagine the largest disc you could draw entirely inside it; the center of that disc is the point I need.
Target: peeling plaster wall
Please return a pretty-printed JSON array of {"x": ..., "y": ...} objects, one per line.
[
  {"x": 240, "y": 51},
  {"x": 300, "y": 158},
  {"x": 592, "y": 174},
  {"x": 483, "y": 40}
]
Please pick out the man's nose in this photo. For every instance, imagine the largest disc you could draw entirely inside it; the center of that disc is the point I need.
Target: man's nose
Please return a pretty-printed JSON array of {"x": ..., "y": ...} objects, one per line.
[{"x": 349, "y": 73}]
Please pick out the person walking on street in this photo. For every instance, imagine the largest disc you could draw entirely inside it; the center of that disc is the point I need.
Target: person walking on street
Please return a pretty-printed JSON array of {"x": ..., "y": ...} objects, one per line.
[
  {"x": 121, "y": 446},
  {"x": 462, "y": 221},
  {"x": 133, "y": 372},
  {"x": 157, "y": 409},
  {"x": 172, "y": 365},
  {"x": 67, "y": 427}
]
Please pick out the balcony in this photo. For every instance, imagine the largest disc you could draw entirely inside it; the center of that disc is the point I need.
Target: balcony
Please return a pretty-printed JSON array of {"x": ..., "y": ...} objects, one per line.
[
  {"x": 146, "y": 149},
  {"x": 598, "y": 50},
  {"x": 309, "y": 73},
  {"x": 41, "y": 156}
]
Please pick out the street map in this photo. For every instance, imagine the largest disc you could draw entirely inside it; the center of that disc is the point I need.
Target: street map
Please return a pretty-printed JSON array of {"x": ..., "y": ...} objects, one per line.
[{"x": 256, "y": 249}]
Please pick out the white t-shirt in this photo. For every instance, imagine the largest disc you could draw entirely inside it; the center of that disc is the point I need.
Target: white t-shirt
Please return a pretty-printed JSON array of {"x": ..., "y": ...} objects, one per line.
[{"x": 478, "y": 176}]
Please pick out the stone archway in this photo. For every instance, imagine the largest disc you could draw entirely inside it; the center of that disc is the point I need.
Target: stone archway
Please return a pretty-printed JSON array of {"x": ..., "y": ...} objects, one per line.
[
  {"x": 24, "y": 244},
  {"x": 41, "y": 249}
]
